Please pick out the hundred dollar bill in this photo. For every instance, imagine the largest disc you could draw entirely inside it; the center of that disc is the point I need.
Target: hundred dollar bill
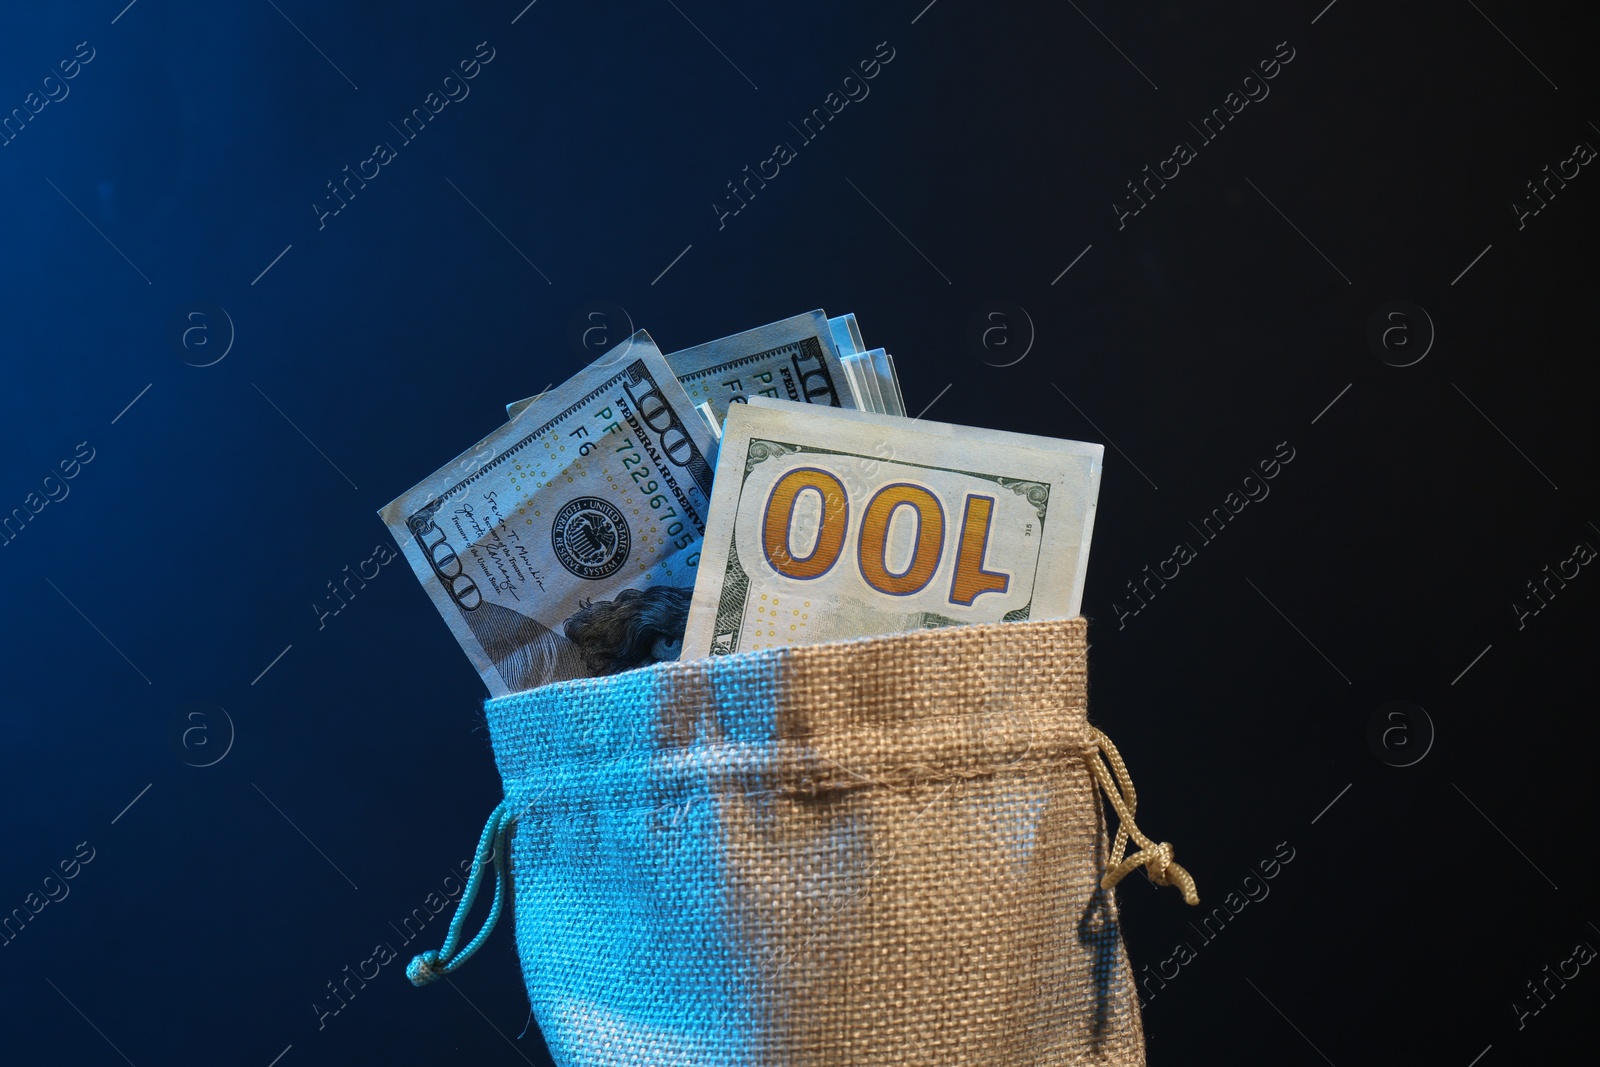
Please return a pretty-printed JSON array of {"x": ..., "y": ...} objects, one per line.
[
  {"x": 870, "y": 373},
  {"x": 846, "y": 334},
  {"x": 873, "y": 379},
  {"x": 863, "y": 378},
  {"x": 829, "y": 524},
  {"x": 798, "y": 357},
  {"x": 564, "y": 545},
  {"x": 848, "y": 343},
  {"x": 795, "y": 358},
  {"x": 888, "y": 382}
]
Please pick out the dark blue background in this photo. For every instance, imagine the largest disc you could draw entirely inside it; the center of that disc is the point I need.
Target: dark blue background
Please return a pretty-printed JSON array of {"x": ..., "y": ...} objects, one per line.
[{"x": 189, "y": 551}]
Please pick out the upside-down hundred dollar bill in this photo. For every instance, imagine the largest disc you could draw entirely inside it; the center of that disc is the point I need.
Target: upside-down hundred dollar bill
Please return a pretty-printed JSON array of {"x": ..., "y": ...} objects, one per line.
[
  {"x": 565, "y": 544},
  {"x": 829, "y": 524}
]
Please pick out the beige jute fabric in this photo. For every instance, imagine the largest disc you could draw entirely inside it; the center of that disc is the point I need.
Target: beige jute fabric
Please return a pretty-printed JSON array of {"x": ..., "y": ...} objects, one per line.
[{"x": 874, "y": 852}]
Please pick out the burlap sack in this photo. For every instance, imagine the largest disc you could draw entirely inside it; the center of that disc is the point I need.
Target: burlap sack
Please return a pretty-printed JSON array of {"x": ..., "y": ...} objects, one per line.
[{"x": 884, "y": 851}]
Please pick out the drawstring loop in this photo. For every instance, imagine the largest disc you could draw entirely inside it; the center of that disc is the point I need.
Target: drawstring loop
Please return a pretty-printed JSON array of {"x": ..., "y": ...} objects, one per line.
[
  {"x": 1157, "y": 859},
  {"x": 435, "y": 964}
]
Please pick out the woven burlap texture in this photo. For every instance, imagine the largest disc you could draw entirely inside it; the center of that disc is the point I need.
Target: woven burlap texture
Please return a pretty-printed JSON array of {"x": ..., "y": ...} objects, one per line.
[{"x": 883, "y": 851}]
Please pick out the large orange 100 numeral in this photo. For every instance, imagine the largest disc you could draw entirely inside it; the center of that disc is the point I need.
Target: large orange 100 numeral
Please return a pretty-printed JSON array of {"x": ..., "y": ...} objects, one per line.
[
  {"x": 831, "y": 523},
  {"x": 925, "y": 551},
  {"x": 967, "y": 584}
]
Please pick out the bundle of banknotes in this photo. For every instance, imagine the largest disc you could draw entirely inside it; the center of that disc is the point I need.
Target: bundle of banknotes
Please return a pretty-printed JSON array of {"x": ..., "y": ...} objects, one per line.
[{"x": 761, "y": 490}]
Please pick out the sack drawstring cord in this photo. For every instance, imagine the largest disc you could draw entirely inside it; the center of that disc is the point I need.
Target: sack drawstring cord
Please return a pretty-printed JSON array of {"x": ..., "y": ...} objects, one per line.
[
  {"x": 1157, "y": 859},
  {"x": 435, "y": 964}
]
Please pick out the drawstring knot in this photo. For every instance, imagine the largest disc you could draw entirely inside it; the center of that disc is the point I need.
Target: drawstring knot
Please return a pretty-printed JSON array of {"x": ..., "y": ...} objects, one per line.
[
  {"x": 1158, "y": 864},
  {"x": 1155, "y": 858},
  {"x": 434, "y": 964},
  {"x": 422, "y": 970}
]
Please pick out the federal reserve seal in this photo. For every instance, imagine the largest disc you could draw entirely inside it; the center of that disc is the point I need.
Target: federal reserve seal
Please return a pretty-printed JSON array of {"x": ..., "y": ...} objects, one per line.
[{"x": 591, "y": 537}]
